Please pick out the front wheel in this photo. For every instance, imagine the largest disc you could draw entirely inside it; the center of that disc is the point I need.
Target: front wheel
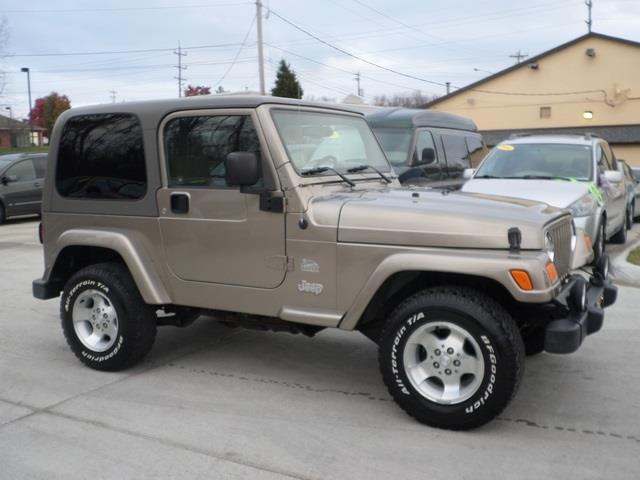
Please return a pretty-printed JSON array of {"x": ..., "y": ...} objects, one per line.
[
  {"x": 104, "y": 319},
  {"x": 451, "y": 357}
]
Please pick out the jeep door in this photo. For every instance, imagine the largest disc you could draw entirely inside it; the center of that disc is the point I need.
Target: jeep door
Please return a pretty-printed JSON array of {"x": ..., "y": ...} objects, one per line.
[
  {"x": 22, "y": 191},
  {"x": 211, "y": 232}
]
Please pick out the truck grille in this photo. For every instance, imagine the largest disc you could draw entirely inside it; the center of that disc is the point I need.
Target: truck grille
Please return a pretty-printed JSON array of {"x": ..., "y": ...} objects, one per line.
[{"x": 561, "y": 233}]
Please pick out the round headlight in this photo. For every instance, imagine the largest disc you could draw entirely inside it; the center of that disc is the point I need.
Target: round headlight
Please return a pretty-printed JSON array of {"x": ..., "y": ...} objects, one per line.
[{"x": 550, "y": 247}]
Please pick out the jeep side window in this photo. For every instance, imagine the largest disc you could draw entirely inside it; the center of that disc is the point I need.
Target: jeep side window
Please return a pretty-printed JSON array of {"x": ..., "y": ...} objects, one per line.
[
  {"x": 455, "y": 149},
  {"x": 22, "y": 171},
  {"x": 101, "y": 156},
  {"x": 195, "y": 148}
]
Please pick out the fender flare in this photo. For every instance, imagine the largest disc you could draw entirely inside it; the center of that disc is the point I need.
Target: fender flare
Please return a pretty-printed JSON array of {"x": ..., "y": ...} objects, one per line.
[{"x": 131, "y": 248}]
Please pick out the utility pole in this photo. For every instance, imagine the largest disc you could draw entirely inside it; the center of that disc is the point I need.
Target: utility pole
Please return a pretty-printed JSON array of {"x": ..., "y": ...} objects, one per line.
[
  {"x": 112, "y": 94},
  {"x": 180, "y": 68},
  {"x": 260, "y": 52},
  {"x": 589, "y": 4},
  {"x": 28, "y": 72},
  {"x": 357, "y": 75},
  {"x": 519, "y": 56}
]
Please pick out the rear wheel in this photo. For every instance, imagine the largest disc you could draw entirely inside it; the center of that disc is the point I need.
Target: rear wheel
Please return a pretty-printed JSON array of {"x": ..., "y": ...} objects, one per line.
[
  {"x": 105, "y": 320},
  {"x": 451, "y": 357}
]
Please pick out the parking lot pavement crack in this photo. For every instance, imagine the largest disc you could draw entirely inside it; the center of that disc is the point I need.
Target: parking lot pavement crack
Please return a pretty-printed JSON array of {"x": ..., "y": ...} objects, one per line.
[
  {"x": 281, "y": 383},
  {"x": 572, "y": 430},
  {"x": 228, "y": 457}
]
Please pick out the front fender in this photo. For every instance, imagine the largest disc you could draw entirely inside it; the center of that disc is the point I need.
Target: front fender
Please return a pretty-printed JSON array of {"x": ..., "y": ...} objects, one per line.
[
  {"x": 130, "y": 247},
  {"x": 491, "y": 264}
]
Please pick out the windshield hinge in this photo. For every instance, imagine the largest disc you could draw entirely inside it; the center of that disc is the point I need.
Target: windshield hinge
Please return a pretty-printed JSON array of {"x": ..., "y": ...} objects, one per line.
[{"x": 281, "y": 263}]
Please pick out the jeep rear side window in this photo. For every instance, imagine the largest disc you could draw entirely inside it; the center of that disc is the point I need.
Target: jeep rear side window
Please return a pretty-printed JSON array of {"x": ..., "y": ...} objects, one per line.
[
  {"x": 102, "y": 157},
  {"x": 195, "y": 148}
]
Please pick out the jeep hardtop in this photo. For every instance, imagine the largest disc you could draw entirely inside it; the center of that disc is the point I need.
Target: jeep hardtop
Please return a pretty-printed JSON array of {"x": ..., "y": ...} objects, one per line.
[{"x": 285, "y": 215}]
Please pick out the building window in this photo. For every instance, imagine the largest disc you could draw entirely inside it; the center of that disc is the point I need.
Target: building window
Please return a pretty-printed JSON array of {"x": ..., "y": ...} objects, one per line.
[{"x": 545, "y": 112}]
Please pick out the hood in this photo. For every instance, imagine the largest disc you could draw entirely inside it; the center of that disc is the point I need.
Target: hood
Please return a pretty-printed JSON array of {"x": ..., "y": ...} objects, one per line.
[
  {"x": 559, "y": 193},
  {"x": 436, "y": 218}
]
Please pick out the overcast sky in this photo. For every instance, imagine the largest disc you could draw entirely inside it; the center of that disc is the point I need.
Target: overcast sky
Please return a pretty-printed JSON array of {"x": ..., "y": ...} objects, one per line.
[{"x": 439, "y": 41}]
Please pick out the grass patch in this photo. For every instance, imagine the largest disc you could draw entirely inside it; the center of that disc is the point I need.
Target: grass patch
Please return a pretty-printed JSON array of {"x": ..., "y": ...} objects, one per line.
[
  {"x": 7, "y": 150},
  {"x": 634, "y": 256}
]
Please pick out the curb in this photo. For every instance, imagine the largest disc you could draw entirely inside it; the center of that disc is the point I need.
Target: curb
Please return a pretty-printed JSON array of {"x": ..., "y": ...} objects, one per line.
[{"x": 626, "y": 273}]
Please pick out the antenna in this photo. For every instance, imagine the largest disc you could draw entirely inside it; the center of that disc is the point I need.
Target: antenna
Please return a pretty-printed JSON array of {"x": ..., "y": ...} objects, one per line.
[
  {"x": 589, "y": 4},
  {"x": 180, "y": 68},
  {"x": 519, "y": 56}
]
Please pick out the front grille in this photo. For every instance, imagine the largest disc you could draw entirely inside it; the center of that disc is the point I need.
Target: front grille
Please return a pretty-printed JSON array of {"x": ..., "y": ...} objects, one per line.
[{"x": 561, "y": 233}]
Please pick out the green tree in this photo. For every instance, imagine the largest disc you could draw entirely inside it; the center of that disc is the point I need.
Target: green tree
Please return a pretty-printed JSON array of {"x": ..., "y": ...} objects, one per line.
[
  {"x": 287, "y": 84},
  {"x": 47, "y": 109}
]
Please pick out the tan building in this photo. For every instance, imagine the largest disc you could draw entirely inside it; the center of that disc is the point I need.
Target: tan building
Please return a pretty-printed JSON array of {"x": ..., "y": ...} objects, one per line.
[{"x": 590, "y": 84}]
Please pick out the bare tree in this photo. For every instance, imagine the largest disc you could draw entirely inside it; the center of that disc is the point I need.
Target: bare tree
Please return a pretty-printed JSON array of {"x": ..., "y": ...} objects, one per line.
[{"x": 416, "y": 99}]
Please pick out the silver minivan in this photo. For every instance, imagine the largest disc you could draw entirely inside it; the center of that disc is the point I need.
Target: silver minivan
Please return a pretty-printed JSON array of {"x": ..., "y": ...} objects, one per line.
[{"x": 21, "y": 180}]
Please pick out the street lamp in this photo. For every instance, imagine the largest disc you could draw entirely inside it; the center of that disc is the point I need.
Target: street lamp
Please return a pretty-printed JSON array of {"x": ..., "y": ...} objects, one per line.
[
  {"x": 10, "y": 112},
  {"x": 26, "y": 70}
]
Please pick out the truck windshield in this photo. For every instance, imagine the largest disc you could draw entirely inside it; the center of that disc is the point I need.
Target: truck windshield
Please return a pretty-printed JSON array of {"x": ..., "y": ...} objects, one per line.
[
  {"x": 538, "y": 161},
  {"x": 315, "y": 140},
  {"x": 396, "y": 143}
]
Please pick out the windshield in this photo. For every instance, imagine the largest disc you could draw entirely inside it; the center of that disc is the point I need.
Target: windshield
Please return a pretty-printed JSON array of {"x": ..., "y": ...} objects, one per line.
[
  {"x": 396, "y": 144},
  {"x": 538, "y": 161},
  {"x": 323, "y": 139}
]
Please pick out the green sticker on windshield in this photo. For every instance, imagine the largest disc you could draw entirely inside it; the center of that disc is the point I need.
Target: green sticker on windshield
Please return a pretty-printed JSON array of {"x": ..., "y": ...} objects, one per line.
[{"x": 596, "y": 193}]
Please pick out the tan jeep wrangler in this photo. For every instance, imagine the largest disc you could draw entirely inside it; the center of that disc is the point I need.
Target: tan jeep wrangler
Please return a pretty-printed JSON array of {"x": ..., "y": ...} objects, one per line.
[{"x": 286, "y": 215}]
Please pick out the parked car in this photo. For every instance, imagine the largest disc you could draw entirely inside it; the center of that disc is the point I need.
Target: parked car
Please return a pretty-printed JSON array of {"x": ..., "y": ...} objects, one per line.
[
  {"x": 636, "y": 174},
  {"x": 21, "y": 179},
  {"x": 632, "y": 187},
  {"x": 568, "y": 171},
  {"x": 427, "y": 147},
  {"x": 240, "y": 207}
]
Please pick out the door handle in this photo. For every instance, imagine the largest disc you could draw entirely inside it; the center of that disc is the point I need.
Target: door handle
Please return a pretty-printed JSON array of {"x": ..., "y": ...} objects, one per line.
[
  {"x": 180, "y": 202},
  {"x": 36, "y": 184}
]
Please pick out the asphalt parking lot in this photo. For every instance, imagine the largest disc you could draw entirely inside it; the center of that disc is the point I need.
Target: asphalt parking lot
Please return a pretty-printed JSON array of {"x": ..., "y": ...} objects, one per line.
[{"x": 214, "y": 402}]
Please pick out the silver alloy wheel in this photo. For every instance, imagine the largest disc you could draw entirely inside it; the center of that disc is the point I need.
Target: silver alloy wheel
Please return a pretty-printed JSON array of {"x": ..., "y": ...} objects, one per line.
[
  {"x": 444, "y": 362},
  {"x": 95, "y": 320}
]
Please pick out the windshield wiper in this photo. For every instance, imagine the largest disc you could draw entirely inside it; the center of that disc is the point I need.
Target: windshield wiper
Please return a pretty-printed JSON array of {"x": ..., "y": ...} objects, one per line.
[
  {"x": 486, "y": 176},
  {"x": 313, "y": 171},
  {"x": 360, "y": 168}
]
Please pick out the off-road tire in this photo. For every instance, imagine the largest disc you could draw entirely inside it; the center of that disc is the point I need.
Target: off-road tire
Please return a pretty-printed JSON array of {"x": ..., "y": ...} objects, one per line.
[
  {"x": 621, "y": 235},
  {"x": 491, "y": 327},
  {"x": 136, "y": 320}
]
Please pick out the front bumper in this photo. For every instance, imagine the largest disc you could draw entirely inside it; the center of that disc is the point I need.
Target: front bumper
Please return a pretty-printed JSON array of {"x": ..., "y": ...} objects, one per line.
[{"x": 565, "y": 335}]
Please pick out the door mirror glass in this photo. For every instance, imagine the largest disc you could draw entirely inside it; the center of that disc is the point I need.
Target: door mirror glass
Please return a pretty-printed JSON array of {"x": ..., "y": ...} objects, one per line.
[
  {"x": 242, "y": 169},
  {"x": 468, "y": 173}
]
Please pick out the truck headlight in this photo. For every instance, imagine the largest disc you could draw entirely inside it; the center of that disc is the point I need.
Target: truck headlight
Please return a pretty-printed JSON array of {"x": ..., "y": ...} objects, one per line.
[
  {"x": 584, "y": 206},
  {"x": 550, "y": 247}
]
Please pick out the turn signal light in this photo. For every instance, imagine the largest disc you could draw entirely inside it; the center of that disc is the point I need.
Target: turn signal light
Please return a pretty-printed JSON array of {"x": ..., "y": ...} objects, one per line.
[
  {"x": 522, "y": 279},
  {"x": 587, "y": 242},
  {"x": 552, "y": 273}
]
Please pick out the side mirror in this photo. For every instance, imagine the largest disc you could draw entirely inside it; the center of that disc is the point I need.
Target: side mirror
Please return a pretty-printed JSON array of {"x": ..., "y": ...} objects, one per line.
[
  {"x": 427, "y": 156},
  {"x": 6, "y": 179},
  {"x": 468, "y": 173},
  {"x": 613, "y": 176},
  {"x": 241, "y": 169}
]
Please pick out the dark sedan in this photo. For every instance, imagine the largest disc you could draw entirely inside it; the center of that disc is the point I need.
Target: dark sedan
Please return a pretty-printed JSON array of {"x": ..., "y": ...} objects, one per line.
[{"x": 21, "y": 180}]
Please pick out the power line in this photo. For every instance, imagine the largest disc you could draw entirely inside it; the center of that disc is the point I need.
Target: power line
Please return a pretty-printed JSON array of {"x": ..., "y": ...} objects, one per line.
[
  {"x": 345, "y": 52},
  {"x": 233, "y": 62},
  {"x": 117, "y": 52}
]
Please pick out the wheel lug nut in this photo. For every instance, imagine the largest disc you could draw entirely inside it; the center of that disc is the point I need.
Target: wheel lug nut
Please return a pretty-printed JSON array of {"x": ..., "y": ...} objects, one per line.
[
  {"x": 456, "y": 363},
  {"x": 450, "y": 351},
  {"x": 438, "y": 352},
  {"x": 447, "y": 371},
  {"x": 436, "y": 364}
]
